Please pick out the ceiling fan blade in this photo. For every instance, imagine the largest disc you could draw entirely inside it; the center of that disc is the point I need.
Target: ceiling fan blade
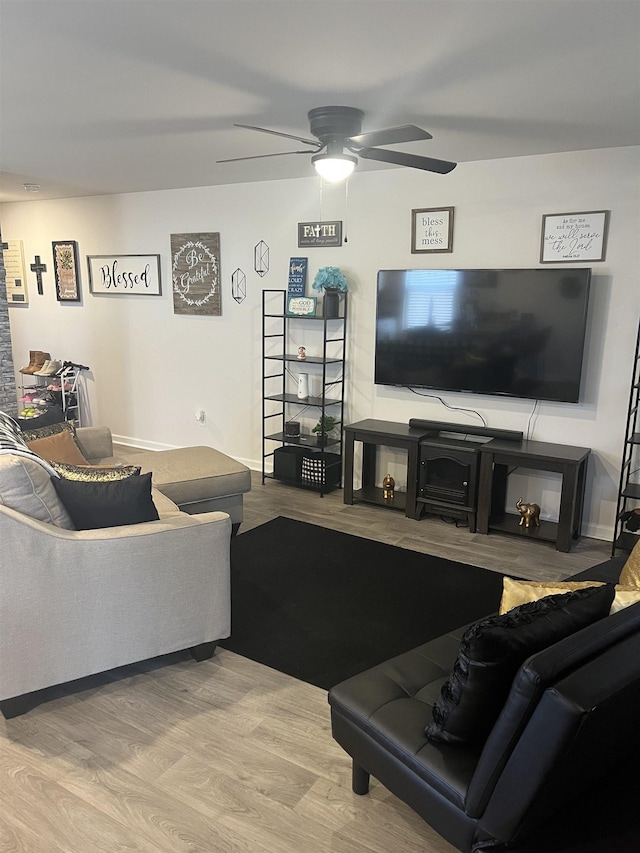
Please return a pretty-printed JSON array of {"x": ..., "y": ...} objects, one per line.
[
  {"x": 413, "y": 161},
  {"x": 313, "y": 142},
  {"x": 261, "y": 156},
  {"x": 391, "y": 136}
]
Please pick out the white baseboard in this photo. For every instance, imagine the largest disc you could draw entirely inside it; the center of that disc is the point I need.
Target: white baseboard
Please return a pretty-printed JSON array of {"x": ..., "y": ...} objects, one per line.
[{"x": 140, "y": 444}]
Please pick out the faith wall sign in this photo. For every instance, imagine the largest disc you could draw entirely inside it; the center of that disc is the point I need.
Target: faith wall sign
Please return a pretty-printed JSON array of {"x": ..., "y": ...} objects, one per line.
[{"x": 319, "y": 234}]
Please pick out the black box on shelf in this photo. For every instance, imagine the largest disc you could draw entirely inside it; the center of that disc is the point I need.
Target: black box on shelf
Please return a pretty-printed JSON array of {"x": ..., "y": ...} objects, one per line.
[
  {"x": 321, "y": 471},
  {"x": 287, "y": 462}
]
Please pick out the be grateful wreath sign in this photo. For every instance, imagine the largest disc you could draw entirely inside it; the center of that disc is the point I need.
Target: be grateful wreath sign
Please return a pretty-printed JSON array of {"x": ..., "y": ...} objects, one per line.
[{"x": 195, "y": 270}]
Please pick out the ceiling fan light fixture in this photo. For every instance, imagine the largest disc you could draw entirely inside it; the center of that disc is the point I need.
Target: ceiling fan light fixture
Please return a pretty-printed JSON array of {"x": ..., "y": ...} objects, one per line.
[{"x": 334, "y": 167}]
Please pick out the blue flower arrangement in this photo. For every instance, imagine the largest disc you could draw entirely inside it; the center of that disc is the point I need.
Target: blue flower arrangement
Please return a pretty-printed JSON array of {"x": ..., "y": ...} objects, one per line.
[{"x": 329, "y": 278}]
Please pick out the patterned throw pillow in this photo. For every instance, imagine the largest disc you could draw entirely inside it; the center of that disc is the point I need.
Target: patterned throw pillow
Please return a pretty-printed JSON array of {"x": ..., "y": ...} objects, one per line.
[
  {"x": 95, "y": 473},
  {"x": 515, "y": 592},
  {"x": 8, "y": 425},
  {"x": 50, "y": 429},
  {"x": 630, "y": 574},
  {"x": 11, "y": 442}
]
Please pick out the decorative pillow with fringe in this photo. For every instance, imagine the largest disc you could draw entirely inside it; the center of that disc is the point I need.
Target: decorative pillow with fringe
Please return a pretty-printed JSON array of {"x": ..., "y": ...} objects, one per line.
[{"x": 493, "y": 649}]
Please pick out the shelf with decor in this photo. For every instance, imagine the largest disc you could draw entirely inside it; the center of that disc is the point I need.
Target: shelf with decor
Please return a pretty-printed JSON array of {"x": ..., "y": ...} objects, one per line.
[
  {"x": 289, "y": 454},
  {"x": 627, "y": 525}
]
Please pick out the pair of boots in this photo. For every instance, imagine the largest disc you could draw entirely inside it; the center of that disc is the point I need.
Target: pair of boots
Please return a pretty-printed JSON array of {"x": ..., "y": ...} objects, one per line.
[
  {"x": 49, "y": 368},
  {"x": 37, "y": 360}
]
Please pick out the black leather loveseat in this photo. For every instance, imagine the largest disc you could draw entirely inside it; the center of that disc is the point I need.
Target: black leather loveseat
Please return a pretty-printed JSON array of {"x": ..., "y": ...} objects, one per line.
[{"x": 572, "y": 712}]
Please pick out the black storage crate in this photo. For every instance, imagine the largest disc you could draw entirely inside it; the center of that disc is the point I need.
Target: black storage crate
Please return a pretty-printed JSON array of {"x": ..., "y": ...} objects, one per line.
[
  {"x": 287, "y": 463},
  {"x": 321, "y": 471}
]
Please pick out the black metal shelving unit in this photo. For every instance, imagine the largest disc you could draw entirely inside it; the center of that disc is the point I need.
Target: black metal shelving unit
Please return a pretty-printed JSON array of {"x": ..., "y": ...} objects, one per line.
[
  {"x": 629, "y": 490},
  {"x": 283, "y": 454}
]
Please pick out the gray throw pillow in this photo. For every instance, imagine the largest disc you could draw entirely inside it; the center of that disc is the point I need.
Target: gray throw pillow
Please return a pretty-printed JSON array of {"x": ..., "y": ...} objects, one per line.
[{"x": 26, "y": 487}]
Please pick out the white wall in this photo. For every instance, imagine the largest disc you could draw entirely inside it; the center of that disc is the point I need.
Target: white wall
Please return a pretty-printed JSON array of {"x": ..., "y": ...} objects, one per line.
[{"x": 151, "y": 369}]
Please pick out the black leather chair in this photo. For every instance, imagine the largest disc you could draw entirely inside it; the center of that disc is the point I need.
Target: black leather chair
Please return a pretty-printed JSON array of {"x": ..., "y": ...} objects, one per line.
[{"x": 573, "y": 710}]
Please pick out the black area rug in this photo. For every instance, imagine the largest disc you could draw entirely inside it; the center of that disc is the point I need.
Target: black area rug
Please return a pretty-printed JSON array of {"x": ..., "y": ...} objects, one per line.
[{"x": 322, "y": 605}]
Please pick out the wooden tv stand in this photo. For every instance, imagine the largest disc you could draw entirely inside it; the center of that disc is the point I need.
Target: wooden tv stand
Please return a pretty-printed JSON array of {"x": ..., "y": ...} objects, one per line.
[
  {"x": 372, "y": 434},
  {"x": 504, "y": 449},
  {"x": 571, "y": 462}
]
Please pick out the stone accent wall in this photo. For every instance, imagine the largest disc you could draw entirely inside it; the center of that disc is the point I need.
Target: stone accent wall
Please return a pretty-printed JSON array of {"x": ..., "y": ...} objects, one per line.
[{"x": 8, "y": 395}]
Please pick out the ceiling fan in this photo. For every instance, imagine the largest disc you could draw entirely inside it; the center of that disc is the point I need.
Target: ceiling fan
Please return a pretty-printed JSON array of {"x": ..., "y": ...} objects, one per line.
[{"x": 337, "y": 129}]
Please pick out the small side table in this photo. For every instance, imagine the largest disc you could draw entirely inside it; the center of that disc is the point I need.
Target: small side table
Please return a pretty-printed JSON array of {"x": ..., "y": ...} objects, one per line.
[
  {"x": 373, "y": 433},
  {"x": 571, "y": 462}
]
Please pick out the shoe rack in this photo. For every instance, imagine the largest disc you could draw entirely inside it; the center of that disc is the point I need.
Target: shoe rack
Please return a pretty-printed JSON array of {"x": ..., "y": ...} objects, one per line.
[{"x": 47, "y": 382}]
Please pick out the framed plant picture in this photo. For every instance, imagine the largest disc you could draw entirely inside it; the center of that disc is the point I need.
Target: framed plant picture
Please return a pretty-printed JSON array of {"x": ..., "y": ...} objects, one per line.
[
  {"x": 67, "y": 270},
  {"x": 432, "y": 230}
]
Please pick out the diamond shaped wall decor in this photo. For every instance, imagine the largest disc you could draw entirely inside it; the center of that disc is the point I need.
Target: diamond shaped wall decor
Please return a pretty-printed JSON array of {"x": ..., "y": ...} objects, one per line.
[
  {"x": 238, "y": 285},
  {"x": 261, "y": 258}
]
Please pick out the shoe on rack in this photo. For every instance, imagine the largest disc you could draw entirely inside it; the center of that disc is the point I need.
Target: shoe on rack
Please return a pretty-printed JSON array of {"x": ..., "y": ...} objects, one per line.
[
  {"x": 43, "y": 369},
  {"x": 50, "y": 368},
  {"x": 32, "y": 361},
  {"x": 40, "y": 359}
]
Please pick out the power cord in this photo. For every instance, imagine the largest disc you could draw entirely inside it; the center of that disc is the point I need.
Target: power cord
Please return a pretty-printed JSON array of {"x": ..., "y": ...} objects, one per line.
[
  {"x": 535, "y": 406},
  {"x": 447, "y": 405}
]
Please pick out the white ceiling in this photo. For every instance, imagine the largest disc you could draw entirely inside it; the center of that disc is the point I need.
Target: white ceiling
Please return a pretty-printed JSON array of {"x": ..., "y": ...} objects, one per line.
[{"x": 113, "y": 96}]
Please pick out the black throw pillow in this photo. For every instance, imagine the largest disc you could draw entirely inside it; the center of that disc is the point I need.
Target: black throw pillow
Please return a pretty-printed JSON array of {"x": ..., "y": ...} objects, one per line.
[
  {"x": 94, "y": 504},
  {"x": 493, "y": 649}
]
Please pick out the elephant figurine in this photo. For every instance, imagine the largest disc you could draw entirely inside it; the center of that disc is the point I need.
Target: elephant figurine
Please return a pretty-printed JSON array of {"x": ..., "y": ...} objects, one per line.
[{"x": 528, "y": 513}]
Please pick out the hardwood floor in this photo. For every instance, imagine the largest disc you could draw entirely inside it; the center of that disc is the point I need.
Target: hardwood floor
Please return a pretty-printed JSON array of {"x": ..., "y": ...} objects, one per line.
[{"x": 225, "y": 755}]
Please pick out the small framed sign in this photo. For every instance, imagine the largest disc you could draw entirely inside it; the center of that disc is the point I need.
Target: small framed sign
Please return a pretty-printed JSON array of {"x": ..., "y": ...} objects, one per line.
[
  {"x": 135, "y": 275},
  {"x": 301, "y": 306},
  {"x": 319, "y": 233},
  {"x": 67, "y": 270},
  {"x": 13, "y": 252},
  {"x": 570, "y": 237},
  {"x": 297, "y": 276},
  {"x": 432, "y": 230}
]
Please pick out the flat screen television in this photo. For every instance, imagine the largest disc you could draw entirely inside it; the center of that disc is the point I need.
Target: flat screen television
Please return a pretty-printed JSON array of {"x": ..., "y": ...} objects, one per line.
[{"x": 514, "y": 332}]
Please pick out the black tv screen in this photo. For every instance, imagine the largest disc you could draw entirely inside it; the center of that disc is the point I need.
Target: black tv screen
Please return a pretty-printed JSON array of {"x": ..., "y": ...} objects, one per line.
[{"x": 508, "y": 332}]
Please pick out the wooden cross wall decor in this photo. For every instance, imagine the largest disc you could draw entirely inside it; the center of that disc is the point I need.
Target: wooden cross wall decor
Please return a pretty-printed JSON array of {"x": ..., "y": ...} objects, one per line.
[{"x": 38, "y": 268}]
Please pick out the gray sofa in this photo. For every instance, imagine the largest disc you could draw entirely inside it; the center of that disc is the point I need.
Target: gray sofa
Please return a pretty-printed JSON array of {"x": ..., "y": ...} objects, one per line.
[
  {"x": 196, "y": 479},
  {"x": 78, "y": 602}
]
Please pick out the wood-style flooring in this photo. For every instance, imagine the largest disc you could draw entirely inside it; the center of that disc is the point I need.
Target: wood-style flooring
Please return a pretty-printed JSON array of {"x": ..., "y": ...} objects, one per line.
[{"x": 174, "y": 756}]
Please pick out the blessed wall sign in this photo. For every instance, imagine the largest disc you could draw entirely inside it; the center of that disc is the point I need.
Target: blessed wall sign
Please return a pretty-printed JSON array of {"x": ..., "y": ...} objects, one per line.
[{"x": 125, "y": 275}]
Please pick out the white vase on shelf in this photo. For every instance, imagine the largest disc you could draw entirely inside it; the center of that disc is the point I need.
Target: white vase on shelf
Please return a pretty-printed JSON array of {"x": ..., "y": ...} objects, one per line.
[{"x": 303, "y": 386}]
